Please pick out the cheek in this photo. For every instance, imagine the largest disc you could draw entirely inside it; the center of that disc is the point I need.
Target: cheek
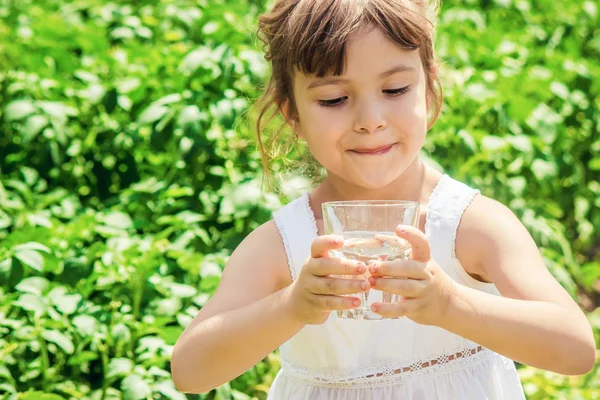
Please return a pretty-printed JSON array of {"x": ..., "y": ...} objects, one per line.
[
  {"x": 322, "y": 125},
  {"x": 412, "y": 115}
]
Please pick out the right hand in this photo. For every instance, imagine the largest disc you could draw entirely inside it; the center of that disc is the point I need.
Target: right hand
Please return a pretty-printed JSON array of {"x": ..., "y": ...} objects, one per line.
[{"x": 315, "y": 292}]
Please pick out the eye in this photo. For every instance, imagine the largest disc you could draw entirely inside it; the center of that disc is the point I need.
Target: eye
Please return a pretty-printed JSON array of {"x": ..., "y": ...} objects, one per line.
[
  {"x": 397, "y": 92},
  {"x": 333, "y": 102}
]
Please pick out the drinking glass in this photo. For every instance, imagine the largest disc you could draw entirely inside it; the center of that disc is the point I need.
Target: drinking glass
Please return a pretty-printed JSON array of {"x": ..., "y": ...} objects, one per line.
[{"x": 369, "y": 231}]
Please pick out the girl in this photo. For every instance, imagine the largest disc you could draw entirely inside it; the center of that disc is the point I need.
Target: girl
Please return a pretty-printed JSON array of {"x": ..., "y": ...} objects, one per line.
[{"x": 357, "y": 81}]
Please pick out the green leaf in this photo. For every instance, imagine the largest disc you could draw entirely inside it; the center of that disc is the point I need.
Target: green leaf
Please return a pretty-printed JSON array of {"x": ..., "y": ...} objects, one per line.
[
  {"x": 119, "y": 367},
  {"x": 5, "y": 373},
  {"x": 560, "y": 89},
  {"x": 118, "y": 219},
  {"x": 35, "y": 285},
  {"x": 152, "y": 114},
  {"x": 176, "y": 192},
  {"x": 158, "y": 109},
  {"x": 5, "y": 220},
  {"x": 190, "y": 217},
  {"x": 33, "y": 246},
  {"x": 237, "y": 395},
  {"x": 66, "y": 303},
  {"x": 544, "y": 121},
  {"x": 196, "y": 58},
  {"x": 169, "y": 99},
  {"x": 19, "y": 109},
  {"x": 170, "y": 306},
  {"x": 181, "y": 290},
  {"x": 6, "y": 266},
  {"x": 57, "y": 110},
  {"x": 493, "y": 143},
  {"x": 521, "y": 143},
  {"x": 167, "y": 388},
  {"x": 170, "y": 334},
  {"x": 210, "y": 269},
  {"x": 59, "y": 339},
  {"x": 86, "y": 325},
  {"x": 33, "y": 127},
  {"x": 223, "y": 392},
  {"x": 543, "y": 169},
  {"x": 135, "y": 388},
  {"x": 31, "y": 302},
  {"x": 31, "y": 258},
  {"x": 128, "y": 85},
  {"x": 40, "y": 396}
]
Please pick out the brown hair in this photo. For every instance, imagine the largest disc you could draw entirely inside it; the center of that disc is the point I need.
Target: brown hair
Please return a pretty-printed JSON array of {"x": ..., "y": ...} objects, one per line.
[{"x": 310, "y": 36}]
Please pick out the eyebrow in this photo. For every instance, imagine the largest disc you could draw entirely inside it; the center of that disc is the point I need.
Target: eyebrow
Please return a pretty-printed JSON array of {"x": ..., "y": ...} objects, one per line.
[{"x": 335, "y": 80}]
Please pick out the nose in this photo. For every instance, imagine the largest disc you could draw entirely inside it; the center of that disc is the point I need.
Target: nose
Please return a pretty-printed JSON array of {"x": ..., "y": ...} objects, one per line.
[{"x": 370, "y": 116}]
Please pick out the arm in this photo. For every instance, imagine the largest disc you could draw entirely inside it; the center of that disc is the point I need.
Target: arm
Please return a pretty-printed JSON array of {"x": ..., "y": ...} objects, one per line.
[
  {"x": 238, "y": 328},
  {"x": 536, "y": 322},
  {"x": 256, "y": 308}
]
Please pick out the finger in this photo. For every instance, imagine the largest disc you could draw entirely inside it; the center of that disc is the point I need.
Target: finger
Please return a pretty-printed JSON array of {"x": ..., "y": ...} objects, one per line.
[
  {"x": 335, "y": 266},
  {"x": 330, "y": 285},
  {"x": 322, "y": 244},
  {"x": 402, "y": 308},
  {"x": 326, "y": 302},
  {"x": 403, "y": 287},
  {"x": 399, "y": 269},
  {"x": 418, "y": 240}
]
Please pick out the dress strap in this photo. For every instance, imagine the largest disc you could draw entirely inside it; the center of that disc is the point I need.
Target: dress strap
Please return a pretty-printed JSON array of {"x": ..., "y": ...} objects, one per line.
[
  {"x": 297, "y": 227},
  {"x": 447, "y": 204}
]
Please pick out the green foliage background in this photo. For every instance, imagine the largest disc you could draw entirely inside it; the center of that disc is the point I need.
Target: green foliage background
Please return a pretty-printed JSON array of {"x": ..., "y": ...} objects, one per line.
[{"x": 127, "y": 175}]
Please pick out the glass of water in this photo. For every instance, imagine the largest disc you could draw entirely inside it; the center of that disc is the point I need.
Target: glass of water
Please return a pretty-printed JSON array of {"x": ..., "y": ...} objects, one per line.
[{"x": 369, "y": 231}]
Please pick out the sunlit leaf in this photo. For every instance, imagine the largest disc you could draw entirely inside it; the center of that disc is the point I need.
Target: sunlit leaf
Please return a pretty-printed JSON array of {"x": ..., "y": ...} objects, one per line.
[
  {"x": 35, "y": 285},
  {"x": 31, "y": 258},
  {"x": 135, "y": 388},
  {"x": 19, "y": 109},
  {"x": 60, "y": 339}
]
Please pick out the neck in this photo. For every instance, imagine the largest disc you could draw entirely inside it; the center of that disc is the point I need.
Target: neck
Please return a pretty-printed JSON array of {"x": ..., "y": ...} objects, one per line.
[{"x": 407, "y": 186}]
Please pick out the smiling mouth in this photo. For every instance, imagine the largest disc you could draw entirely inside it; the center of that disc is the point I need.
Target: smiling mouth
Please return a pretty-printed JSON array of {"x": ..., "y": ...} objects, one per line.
[{"x": 377, "y": 151}]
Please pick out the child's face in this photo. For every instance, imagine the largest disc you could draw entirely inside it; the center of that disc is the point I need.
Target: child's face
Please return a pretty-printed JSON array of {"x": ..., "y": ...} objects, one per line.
[{"x": 375, "y": 131}]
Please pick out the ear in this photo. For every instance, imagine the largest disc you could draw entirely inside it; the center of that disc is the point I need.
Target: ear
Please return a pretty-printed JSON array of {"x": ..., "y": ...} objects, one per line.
[{"x": 290, "y": 118}]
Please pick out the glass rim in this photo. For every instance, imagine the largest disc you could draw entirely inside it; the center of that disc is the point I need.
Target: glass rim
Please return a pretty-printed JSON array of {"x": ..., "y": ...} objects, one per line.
[{"x": 369, "y": 203}]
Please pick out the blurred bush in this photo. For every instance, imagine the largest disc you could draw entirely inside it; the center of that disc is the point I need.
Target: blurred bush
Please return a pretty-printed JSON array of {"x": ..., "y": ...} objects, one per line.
[{"x": 128, "y": 175}]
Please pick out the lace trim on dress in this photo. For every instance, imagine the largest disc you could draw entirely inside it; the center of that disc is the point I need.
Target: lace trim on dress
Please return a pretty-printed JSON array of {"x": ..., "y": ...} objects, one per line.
[
  {"x": 433, "y": 199},
  {"x": 388, "y": 373},
  {"x": 458, "y": 216},
  {"x": 311, "y": 215},
  {"x": 286, "y": 245}
]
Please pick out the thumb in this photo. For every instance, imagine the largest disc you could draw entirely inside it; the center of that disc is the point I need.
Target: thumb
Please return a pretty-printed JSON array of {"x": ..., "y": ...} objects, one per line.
[{"x": 421, "y": 250}]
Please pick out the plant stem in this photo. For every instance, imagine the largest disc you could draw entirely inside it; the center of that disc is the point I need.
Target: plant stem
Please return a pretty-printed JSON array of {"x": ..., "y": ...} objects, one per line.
[{"x": 45, "y": 358}]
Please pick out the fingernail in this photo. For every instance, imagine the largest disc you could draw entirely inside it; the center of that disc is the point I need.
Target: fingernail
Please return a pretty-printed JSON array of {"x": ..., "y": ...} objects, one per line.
[
  {"x": 337, "y": 241},
  {"x": 356, "y": 302},
  {"x": 361, "y": 267},
  {"x": 374, "y": 308},
  {"x": 372, "y": 281},
  {"x": 364, "y": 285}
]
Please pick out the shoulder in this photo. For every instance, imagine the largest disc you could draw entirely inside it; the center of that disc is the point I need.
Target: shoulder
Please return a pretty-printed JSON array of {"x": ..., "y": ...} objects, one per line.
[
  {"x": 256, "y": 269},
  {"x": 263, "y": 250},
  {"x": 488, "y": 233}
]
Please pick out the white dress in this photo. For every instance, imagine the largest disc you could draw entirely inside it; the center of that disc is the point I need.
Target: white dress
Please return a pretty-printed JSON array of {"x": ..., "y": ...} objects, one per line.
[{"x": 346, "y": 359}]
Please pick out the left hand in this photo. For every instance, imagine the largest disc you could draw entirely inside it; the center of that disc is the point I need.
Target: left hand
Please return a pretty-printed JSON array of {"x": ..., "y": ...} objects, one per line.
[{"x": 425, "y": 288}]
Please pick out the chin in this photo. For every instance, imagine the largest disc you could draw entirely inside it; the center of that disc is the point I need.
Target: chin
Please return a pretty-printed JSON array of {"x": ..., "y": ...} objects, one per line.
[{"x": 375, "y": 183}]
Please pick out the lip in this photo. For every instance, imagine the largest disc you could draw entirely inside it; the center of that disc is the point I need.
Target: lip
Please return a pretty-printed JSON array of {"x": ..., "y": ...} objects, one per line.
[{"x": 375, "y": 151}]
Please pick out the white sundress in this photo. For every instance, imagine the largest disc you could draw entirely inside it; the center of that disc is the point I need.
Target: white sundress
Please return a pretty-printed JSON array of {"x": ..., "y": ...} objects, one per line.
[{"x": 345, "y": 359}]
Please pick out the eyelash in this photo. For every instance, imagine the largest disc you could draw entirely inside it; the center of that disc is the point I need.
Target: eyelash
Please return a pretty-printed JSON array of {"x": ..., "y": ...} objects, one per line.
[{"x": 339, "y": 101}]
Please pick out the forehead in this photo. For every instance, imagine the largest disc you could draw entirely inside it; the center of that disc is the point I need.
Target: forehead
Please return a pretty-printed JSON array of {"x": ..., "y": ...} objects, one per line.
[{"x": 369, "y": 55}]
